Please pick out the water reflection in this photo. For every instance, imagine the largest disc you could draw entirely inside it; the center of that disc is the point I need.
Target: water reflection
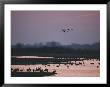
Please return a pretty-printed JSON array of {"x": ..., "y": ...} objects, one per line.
[{"x": 60, "y": 67}]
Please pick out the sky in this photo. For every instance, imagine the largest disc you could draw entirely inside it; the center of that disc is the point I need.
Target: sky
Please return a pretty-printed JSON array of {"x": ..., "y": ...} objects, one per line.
[{"x": 31, "y": 27}]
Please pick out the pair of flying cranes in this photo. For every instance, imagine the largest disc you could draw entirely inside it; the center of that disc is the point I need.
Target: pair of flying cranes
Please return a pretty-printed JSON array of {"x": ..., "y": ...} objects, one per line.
[{"x": 67, "y": 30}]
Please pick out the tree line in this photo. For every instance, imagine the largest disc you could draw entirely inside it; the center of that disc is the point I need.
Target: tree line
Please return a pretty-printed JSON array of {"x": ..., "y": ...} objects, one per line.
[{"x": 55, "y": 49}]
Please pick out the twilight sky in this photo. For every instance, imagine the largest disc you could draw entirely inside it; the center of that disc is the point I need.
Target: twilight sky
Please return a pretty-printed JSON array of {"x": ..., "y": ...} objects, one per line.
[{"x": 31, "y": 27}]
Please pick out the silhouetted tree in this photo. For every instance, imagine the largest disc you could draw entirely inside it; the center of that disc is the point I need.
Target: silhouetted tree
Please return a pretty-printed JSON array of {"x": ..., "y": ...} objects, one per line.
[{"x": 19, "y": 45}]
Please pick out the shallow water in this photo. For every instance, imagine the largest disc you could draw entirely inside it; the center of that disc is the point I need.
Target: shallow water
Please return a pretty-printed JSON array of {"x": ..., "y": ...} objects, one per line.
[{"x": 85, "y": 70}]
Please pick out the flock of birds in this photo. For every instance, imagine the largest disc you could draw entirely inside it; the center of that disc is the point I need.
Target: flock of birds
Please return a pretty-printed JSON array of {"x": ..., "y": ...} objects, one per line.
[
  {"x": 67, "y": 30},
  {"x": 39, "y": 69}
]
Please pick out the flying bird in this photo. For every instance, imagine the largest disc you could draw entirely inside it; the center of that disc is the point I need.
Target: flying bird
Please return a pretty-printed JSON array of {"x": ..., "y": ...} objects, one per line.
[
  {"x": 63, "y": 30},
  {"x": 71, "y": 29},
  {"x": 67, "y": 30}
]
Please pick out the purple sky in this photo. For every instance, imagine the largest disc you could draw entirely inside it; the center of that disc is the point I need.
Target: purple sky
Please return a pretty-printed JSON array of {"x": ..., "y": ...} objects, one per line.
[{"x": 43, "y": 26}]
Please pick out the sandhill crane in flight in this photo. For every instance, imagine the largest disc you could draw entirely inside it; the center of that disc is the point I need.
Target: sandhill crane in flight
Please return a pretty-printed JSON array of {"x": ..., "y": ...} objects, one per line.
[{"x": 67, "y": 30}]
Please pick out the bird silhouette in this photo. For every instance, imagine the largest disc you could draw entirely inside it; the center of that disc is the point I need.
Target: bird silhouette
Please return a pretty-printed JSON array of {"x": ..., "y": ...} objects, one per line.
[
  {"x": 63, "y": 30},
  {"x": 67, "y": 30}
]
